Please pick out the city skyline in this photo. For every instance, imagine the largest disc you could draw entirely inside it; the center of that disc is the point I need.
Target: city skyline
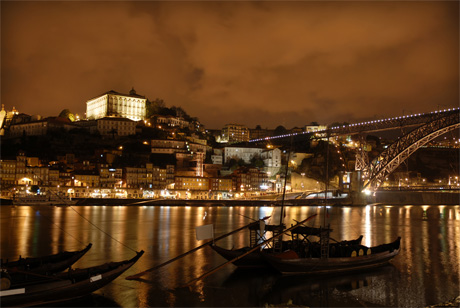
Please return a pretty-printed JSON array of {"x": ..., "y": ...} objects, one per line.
[{"x": 250, "y": 63}]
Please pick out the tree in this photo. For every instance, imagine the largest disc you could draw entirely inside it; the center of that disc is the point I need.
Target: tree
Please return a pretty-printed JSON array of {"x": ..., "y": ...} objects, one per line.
[
  {"x": 154, "y": 107},
  {"x": 280, "y": 130},
  {"x": 338, "y": 124},
  {"x": 257, "y": 162},
  {"x": 66, "y": 114}
]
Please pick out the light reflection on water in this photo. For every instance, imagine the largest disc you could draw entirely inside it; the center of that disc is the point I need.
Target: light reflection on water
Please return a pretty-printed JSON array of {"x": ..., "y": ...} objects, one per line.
[{"x": 425, "y": 273}]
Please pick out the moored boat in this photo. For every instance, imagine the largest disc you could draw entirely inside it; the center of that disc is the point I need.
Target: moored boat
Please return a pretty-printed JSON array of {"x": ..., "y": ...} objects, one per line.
[
  {"x": 43, "y": 200},
  {"x": 64, "y": 286},
  {"x": 44, "y": 265},
  {"x": 256, "y": 260},
  {"x": 358, "y": 259},
  {"x": 324, "y": 258},
  {"x": 257, "y": 234}
]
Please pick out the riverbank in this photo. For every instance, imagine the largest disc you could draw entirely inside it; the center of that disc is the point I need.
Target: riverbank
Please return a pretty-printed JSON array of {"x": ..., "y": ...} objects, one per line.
[
  {"x": 416, "y": 197},
  {"x": 197, "y": 202},
  {"x": 380, "y": 197}
]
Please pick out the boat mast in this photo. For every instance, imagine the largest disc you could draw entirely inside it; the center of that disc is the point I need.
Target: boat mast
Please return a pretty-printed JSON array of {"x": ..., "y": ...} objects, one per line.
[
  {"x": 327, "y": 180},
  {"x": 284, "y": 189},
  {"x": 325, "y": 231}
]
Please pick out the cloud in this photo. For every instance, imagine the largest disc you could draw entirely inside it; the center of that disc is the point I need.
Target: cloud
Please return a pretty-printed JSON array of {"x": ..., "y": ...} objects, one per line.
[{"x": 267, "y": 63}]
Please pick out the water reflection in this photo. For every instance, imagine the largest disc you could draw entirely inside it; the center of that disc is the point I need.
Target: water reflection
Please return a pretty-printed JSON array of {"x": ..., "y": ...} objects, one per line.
[{"x": 425, "y": 273}]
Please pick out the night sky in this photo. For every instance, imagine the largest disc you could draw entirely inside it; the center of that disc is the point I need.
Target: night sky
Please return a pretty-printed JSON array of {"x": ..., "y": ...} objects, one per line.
[{"x": 251, "y": 63}]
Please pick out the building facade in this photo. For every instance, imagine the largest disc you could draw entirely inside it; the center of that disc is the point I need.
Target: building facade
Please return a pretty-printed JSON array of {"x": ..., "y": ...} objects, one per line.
[
  {"x": 116, "y": 126},
  {"x": 233, "y": 133},
  {"x": 249, "y": 180},
  {"x": 244, "y": 153},
  {"x": 272, "y": 161},
  {"x": 171, "y": 122},
  {"x": 40, "y": 127},
  {"x": 114, "y": 104},
  {"x": 191, "y": 183}
]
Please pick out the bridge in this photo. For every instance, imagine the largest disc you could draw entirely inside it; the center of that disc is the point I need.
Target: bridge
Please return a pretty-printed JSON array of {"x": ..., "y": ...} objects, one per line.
[{"x": 427, "y": 127}]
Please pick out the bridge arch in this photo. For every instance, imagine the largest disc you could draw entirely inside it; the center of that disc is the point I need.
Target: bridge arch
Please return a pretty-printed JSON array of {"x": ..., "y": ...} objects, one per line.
[{"x": 398, "y": 152}]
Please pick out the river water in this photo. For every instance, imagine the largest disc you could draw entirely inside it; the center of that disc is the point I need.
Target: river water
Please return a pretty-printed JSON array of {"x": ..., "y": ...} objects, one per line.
[{"x": 426, "y": 272}]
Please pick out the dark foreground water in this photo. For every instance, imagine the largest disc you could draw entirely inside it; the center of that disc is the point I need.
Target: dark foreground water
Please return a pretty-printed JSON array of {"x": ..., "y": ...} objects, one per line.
[{"x": 426, "y": 272}]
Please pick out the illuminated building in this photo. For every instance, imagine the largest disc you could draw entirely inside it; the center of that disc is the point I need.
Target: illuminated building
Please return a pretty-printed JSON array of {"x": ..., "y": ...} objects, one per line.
[
  {"x": 217, "y": 156},
  {"x": 20, "y": 172},
  {"x": 272, "y": 159},
  {"x": 315, "y": 128},
  {"x": 234, "y": 133},
  {"x": 116, "y": 126},
  {"x": 109, "y": 177},
  {"x": 86, "y": 179},
  {"x": 220, "y": 184},
  {"x": 148, "y": 177},
  {"x": 168, "y": 146},
  {"x": 5, "y": 118},
  {"x": 191, "y": 183},
  {"x": 39, "y": 127},
  {"x": 8, "y": 174},
  {"x": 169, "y": 121},
  {"x": 249, "y": 179},
  {"x": 114, "y": 104},
  {"x": 244, "y": 153}
]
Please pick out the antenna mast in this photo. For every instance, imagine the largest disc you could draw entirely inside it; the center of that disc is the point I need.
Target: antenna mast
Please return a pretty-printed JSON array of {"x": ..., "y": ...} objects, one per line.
[{"x": 325, "y": 231}]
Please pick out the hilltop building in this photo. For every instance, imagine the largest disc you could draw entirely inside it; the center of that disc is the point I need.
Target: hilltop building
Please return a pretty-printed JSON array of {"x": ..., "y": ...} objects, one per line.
[
  {"x": 39, "y": 127},
  {"x": 169, "y": 122},
  {"x": 258, "y": 132},
  {"x": 114, "y": 104},
  {"x": 245, "y": 153},
  {"x": 232, "y": 133},
  {"x": 109, "y": 126}
]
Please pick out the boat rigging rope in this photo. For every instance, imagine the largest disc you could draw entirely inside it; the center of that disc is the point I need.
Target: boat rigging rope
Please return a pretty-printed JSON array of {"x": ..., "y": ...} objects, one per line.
[
  {"x": 91, "y": 223},
  {"x": 60, "y": 228},
  {"x": 353, "y": 226},
  {"x": 95, "y": 226}
]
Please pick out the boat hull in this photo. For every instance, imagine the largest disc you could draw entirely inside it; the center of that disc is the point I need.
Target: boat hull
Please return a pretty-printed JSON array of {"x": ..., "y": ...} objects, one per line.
[
  {"x": 289, "y": 265},
  {"x": 255, "y": 259},
  {"x": 252, "y": 260},
  {"x": 45, "y": 265},
  {"x": 65, "y": 286}
]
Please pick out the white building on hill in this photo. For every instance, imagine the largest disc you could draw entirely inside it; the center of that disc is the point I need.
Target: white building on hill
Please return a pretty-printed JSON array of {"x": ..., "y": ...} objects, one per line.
[{"x": 114, "y": 104}]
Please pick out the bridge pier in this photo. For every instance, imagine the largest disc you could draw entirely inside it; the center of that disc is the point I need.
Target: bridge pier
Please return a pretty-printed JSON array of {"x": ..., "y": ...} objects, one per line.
[{"x": 356, "y": 187}]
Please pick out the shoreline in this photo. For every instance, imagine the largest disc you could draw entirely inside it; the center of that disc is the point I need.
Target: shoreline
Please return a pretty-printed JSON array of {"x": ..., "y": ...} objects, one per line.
[{"x": 240, "y": 202}]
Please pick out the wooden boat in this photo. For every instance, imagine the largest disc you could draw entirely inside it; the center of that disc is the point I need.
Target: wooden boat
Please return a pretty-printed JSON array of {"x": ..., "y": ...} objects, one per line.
[
  {"x": 43, "y": 200},
  {"x": 252, "y": 260},
  {"x": 64, "y": 286},
  {"x": 256, "y": 260},
  {"x": 327, "y": 259},
  {"x": 349, "y": 260},
  {"x": 258, "y": 233},
  {"x": 44, "y": 265}
]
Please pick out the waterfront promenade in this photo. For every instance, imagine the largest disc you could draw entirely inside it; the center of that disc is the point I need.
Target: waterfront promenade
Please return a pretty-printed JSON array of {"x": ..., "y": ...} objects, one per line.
[{"x": 448, "y": 197}]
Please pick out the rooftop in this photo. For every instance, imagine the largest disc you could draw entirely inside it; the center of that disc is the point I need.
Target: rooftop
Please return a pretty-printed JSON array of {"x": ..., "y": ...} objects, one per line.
[{"x": 132, "y": 93}]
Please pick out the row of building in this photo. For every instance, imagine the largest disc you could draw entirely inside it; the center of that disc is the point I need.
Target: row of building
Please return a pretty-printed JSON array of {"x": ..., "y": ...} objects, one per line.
[
  {"x": 197, "y": 172},
  {"x": 26, "y": 175}
]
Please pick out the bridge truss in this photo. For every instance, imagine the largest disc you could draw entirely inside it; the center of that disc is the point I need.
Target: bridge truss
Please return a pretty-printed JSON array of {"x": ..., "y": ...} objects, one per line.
[{"x": 377, "y": 170}]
